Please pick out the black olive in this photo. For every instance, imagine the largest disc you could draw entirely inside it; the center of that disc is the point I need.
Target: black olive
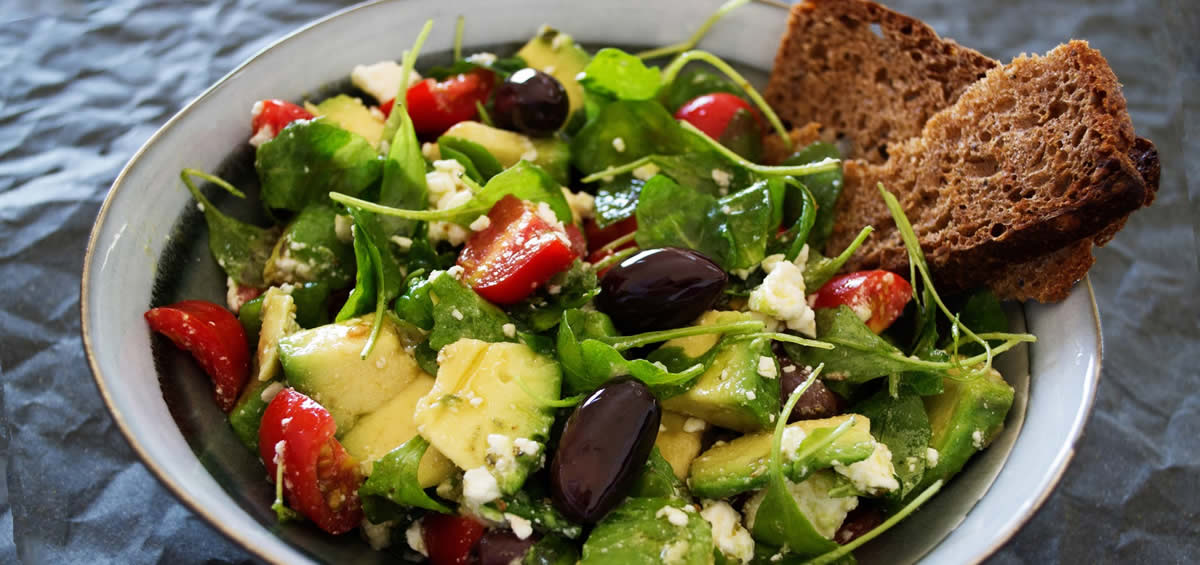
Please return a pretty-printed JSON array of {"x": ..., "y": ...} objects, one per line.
[
  {"x": 502, "y": 547},
  {"x": 603, "y": 448},
  {"x": 531, "y": 102},
  {"x": 659, "y": 289},
  {"x": 816, "y": 402}
]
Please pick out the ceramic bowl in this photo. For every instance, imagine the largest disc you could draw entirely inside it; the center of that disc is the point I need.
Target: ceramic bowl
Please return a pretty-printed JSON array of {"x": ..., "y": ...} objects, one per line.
[{"x": 149, "y": 247}]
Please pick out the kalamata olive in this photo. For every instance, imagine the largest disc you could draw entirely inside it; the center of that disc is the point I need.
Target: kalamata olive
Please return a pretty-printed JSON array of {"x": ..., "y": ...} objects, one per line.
[
  {"x": 603, "y": 448},
  {"x": 531, "y": 102},
  {"x": 502, "y": 547},
  {"x": 858, "y": 522},
  {"x": 659, "y": 289},
  {"x": 816, "y": 402}
]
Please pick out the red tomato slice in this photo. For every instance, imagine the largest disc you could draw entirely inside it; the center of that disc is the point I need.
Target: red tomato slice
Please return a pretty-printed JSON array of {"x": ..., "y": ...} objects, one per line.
[
  {"x": 878, "y": 297},
  {"x": 214, "y": 337},
  {"x": 579, "y": 243},
  {"x": 517, "y": 253},
  {"x": 711, "y": 112},
  {"x": 386, "y": 107},
  {"x": 435, "y": 106},
  {"x": 598, "y": 237},
  {"x": 276, "y": 114},
  {"x": 320, "y": 480},
  {"x": 450, "y": 539}
]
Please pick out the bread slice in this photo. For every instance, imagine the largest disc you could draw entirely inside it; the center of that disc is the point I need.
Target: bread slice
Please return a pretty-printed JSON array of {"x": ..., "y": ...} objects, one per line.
[
  {"x": 1032, "y": 159},
  {"x": 869, "y": 76}
]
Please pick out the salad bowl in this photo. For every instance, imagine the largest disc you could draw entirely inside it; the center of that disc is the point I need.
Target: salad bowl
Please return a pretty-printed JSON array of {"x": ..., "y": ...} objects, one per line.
[{"x": 148, "y": 247}]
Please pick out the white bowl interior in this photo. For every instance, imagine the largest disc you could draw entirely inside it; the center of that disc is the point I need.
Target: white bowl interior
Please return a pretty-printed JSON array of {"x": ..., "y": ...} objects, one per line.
[{"x": 147, "y": 200}]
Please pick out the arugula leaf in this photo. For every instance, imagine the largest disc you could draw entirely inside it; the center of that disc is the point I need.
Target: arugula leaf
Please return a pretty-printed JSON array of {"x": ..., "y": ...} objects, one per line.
[
  {"x": 394, "y": 478},
  {"x": 240, "y": 249},
  {"x": 362, "y": 296},
  {"x": 389, "y": 279},
  {"x": 407, "y": 62},
  {"x": 902, "y": 425},
  {"x": 543, "y": 310},
  {"x": 479, "y": 158},
  {"x": 826, "y": 187},
  {"x": 589, "y": 362},
  {"x": 819, "y": 269},
  {"x": 694, "y": 83},
  {"x": 459, "y": 312},
  {"x": 644, "y": 127},
  {"x": 403, "y": 178},
  {"x": 502, "y": 66},
  {"x": 618, "y": 74},
  {"x": 310, "y": 158}
]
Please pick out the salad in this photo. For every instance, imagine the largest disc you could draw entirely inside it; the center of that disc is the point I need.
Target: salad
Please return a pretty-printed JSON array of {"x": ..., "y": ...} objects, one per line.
[{"x": 551, "y": 308}]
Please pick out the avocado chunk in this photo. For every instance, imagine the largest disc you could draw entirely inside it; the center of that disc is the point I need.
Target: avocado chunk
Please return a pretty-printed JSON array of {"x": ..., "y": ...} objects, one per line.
[
  {"x": 729, "y": 468},
  {"x": 389, "y": 427},
  {"x": 679, "y": 440},
  {"x": 485, "y": 409},
  {"x": 509, "y": 147},
  {"x": 650, "y": 530},
  {"x": 278, "y": 321},
  {"x": 556, "y": 54},
  {"x": 350, "y": 114},
  {"x": 310, "y": 251},
  {"x": 964, "y": 418},
  {"x": 325, "y": 363},
  {"x": 734, "y": 392}
]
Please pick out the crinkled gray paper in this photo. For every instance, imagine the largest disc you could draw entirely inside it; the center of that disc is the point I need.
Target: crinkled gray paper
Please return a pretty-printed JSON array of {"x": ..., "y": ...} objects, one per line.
[{"x": 83, "y": 85}]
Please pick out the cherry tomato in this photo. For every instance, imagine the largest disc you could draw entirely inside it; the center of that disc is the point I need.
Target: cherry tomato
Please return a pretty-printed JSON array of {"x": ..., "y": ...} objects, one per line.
[
  {"x": 450, "y": 540},
  {"x": 275, "y": 114},
  {"x": 711, "y": 112},
  {"x": 214, "y": 337},
  {"x": 517, "y": 253},
  {"x": 320, "y": 480},
  {"x": 598, "y": 237},
  {"x": 435, "y": 106},
  {"x": 386, "y": 107},
  {"x": 878, "y": 297},
  {"x": 579, "y": 243}
]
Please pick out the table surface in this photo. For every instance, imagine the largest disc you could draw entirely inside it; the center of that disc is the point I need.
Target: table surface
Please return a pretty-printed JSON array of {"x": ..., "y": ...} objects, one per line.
[{"x": 84, "y": 84}]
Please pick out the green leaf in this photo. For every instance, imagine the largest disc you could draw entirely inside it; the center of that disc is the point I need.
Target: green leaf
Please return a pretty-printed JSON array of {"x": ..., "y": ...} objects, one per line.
[
  {"x": 310, "y": 158},
  {"x": 618, "y": 74},
  {"x": 533, "y": 503},
  {"x": 694, "y": 83},
  {"x": 403, "y": 178},
  {"x": 743, "y": 135},
  {"x": 858, "y": 356},
  {"x": 502, "y": 66},
  {"x": 699, "y": 170},
  {"x": 388, "y": 278},
  {"x": 240, "y": 249},
  {"x": 480, "y": 158},
  {"x": 458, "y": 312},
  {"x": 589, "y": 362},
  {"x": 543, "y": 309},
  {"x": 638, "y": 532},
  {"x": 552, "y": 550},
  {"x": 902, "y": 425},
  {"x": 617, "y": 200},
  {"x": 982, "y": 313},
  {"x": 362, "y": 296},
  {"x": 394, "y": 478},
  {"x": 310, "y": 251},
  {"x": 658, "y": 480},
  {"x": 826, "y": 187},
  {"x": 819, "y": 269},
  {"x": 644, "y": 127}
]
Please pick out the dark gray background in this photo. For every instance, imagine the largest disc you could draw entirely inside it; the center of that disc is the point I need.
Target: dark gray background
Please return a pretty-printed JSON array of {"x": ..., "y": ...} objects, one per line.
[{"x": 84, "y": 84}]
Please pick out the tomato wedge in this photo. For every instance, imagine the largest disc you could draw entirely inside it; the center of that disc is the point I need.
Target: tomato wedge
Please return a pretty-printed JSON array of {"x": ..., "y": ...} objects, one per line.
[
  {"x": 711, "y": 113},
  {"x": 435, "y": 106},
  {"x": 598, "y": 237},
  {"x": 214, "y": 337},
  {"x": 519, "y": 251},
  {"x": 878, "y": 297},
  {"x": 275, "y": 114},
  {"x": 450, "y": 540},
  {"x": 320, "y": 480}
]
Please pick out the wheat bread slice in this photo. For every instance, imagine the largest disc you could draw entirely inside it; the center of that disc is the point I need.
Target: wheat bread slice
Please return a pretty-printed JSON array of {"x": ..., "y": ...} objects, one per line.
[{"x": 869, "y": 76}]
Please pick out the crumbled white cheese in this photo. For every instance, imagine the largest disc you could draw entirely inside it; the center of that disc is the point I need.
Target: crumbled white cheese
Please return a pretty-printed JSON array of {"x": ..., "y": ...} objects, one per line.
[
  {"x": 500, "y": 452},
  {"x": 483, "y": 58},
  {"x": 342, "y": 227},
  {"x": 790, "y": 442},
  {"x": 554, "y": 289},
  {"x": 766, "y": 367},
  {"x": 722, "y": 178},
  {"x": 750, "y": 395},
  {"x": 431, "y": 151},
  {"x": 977, "y": 439},
  {"x": 481, "y": 223},
  {"x": 931, "y": 457},
  {"x": 521, "y": 527},
  {"x": 646, "y": 171},
  {"x": 455, "y": 271},
  {"x": 583, "y": 205},
  {"x": 873, "y": 475},
  {"x": 510, "y": 330},
  {"x": 447, "y": 191},
  {"x": 268, "y": 393},
  {"x": 692, "y": 425},
  {"x": 264, "y": 134},
  {"x": 479, "y": 487},
  {"x": 381, "y": 80},
  {"x": 728, "y": 534},
  {"x": 526, "y": 446},
  {"x": 475, "y": 401},
  {"x": 824, "y": 512},
  {"x": 404, "y": 243},
  {"x": 415, "y": 535},
  {"x": 674, "y": 552},
  {"x": 456, "y": 314},
  {"x": 378, "y": 536},
  {"x": 618, "y": 144},
  {"x": 546, "y": 213},
  {"x": 781, "y": 294},
  {"x": 673, "y": 515}
]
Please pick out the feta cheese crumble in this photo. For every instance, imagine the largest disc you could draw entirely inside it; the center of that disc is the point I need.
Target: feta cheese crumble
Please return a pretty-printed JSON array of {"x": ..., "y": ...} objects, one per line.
[
  {"x": 481, "y": 223},
  {"x": 728, "y": 534},
  {"x": 379, "y": 536},
  {"x": 583, "y": 205},
  {"x": 766, "y": 367},
  {"x": 931, "y": 457},
  {"x": 645, "y": 172},
  {"x": 673, "y": 515},
  {"x": 381, "y": 80},
  {"x": 977, "y": 439},
  {"x": 692, "y": 425},
  {"x": 722, "y": 178},
  {"x": 789, "y": 444},
  {"x": 479, "y": 487},
  {"x": 510, "y": 330},
  {"x": 415, "y": 536},
  {"x": 781, "y": 294},
  {"x": 873, "y": 475},
  {"x": 618, "y": 144},
  {"x": 521, "y": 527},
  {"x": 447, "y": 191}
]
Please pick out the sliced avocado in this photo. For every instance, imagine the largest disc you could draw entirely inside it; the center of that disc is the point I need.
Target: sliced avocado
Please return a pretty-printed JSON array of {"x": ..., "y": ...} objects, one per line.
[
  {"x": 679, "y": 440},
  {"x": 731, "y": 393},
  {"x": 311, "y": 309},
  {"x": 741, "y": 465},
  {"x": 309, "y": 251},
  {"x": 278, "y": 321},
  {"x": 350, "y": 114},
  {"x": 509, "y": 147},
  {"x": 965, "y": 418},
  {"x": 650, "y": 530},
  {"x": 556, "y": 53},
  {"x": 389, "y": 427},
  {"x": 326, "y": 364},
  {"x": 479, "y": 415}
]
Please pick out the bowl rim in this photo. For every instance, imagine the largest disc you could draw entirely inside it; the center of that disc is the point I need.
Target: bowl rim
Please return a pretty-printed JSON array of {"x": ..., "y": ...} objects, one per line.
[{"x": 1065, "y": 453}]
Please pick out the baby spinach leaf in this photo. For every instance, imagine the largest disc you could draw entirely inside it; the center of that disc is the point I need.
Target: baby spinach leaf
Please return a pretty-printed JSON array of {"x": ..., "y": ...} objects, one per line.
[
  {"x": 388, "y": 278},
  {"x": 620, "y": 75},
  {"x": 643, "y": 126},
  {"x": 480, "y": 158},
  {"x": 617, "y": 200},
  {"x": 394, "y": 478},
  {"x": 982, "y": 313},
  {"x": 502, "y": 66},
  {"x": 569, "y": 289},
  {"x": 240, "y": 249},
  {"x": 637, "y": 532},
  {"x": 825, "y": 187},
  {"x": 589, "y": 362},
  {"x": 858, "y": 356},
  {"x": 415, "y": 306},
  {"x": 309, "y": 159},
  {"x": 552, "y": 550},
  {"x": 658, "y": 480},
  {"x": 309, "y": 250},
  {"x": 694, "y": 83},
  {"x": 468, "y": 165},
  {"x": 459, "y": 312},
  {"x": 747, "y": 220},
  {"x": 705, "y": 171},
  {"x": 403, "y": 183},
  {"x": 792, "y": 242},
  {"x": 743, "y": 135},
  {"x": 902, "y": 425},
  {"x": 362, "y": 296},
  {"x": 533, "y": 504}
]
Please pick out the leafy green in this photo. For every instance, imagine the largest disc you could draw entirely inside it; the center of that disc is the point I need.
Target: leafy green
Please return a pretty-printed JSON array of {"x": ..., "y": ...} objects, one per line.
[
  {"x": 658, "y": 480},
  {"x": 502, "y": 66},
  {"x": 902, "y": 425},
  {"x": 637, "y": 532},
  {"x": 842, "y": 553},
  {"x": 552, "y": 550},
  {"x": 542, "y": 310},
  {"x": 310, "y": 158},
  {"x": 826, "y": 187},
  {"x": 983, "y": 313},
  {"x": 388, "y": 279},
  {"x": 407, "y": 62},
  {"x": 362, "y": 297},
  {"x": 403, "y": 178},
  {"x": 617, "y": 199},
  {"x": 459, "y": 312},
  {"x": 699, "y": 170},
  {"x": 694, "y": 83},
  {"x": 533, "y": 504},
  {"x": 240, "y": 249},
  {"x": 394, "y": 478},
  {"x": 644, "y": 127},
  {"x": 743, "y": 135},
  {"x": 479, "y": 158},
  {"x": 619, "y": 75},
  {"x": 415, "y": 306},
  {"x": 858, "y": 356},
  {"x": 819, "y": 269},
  {"x": 310, "y": 250}
]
